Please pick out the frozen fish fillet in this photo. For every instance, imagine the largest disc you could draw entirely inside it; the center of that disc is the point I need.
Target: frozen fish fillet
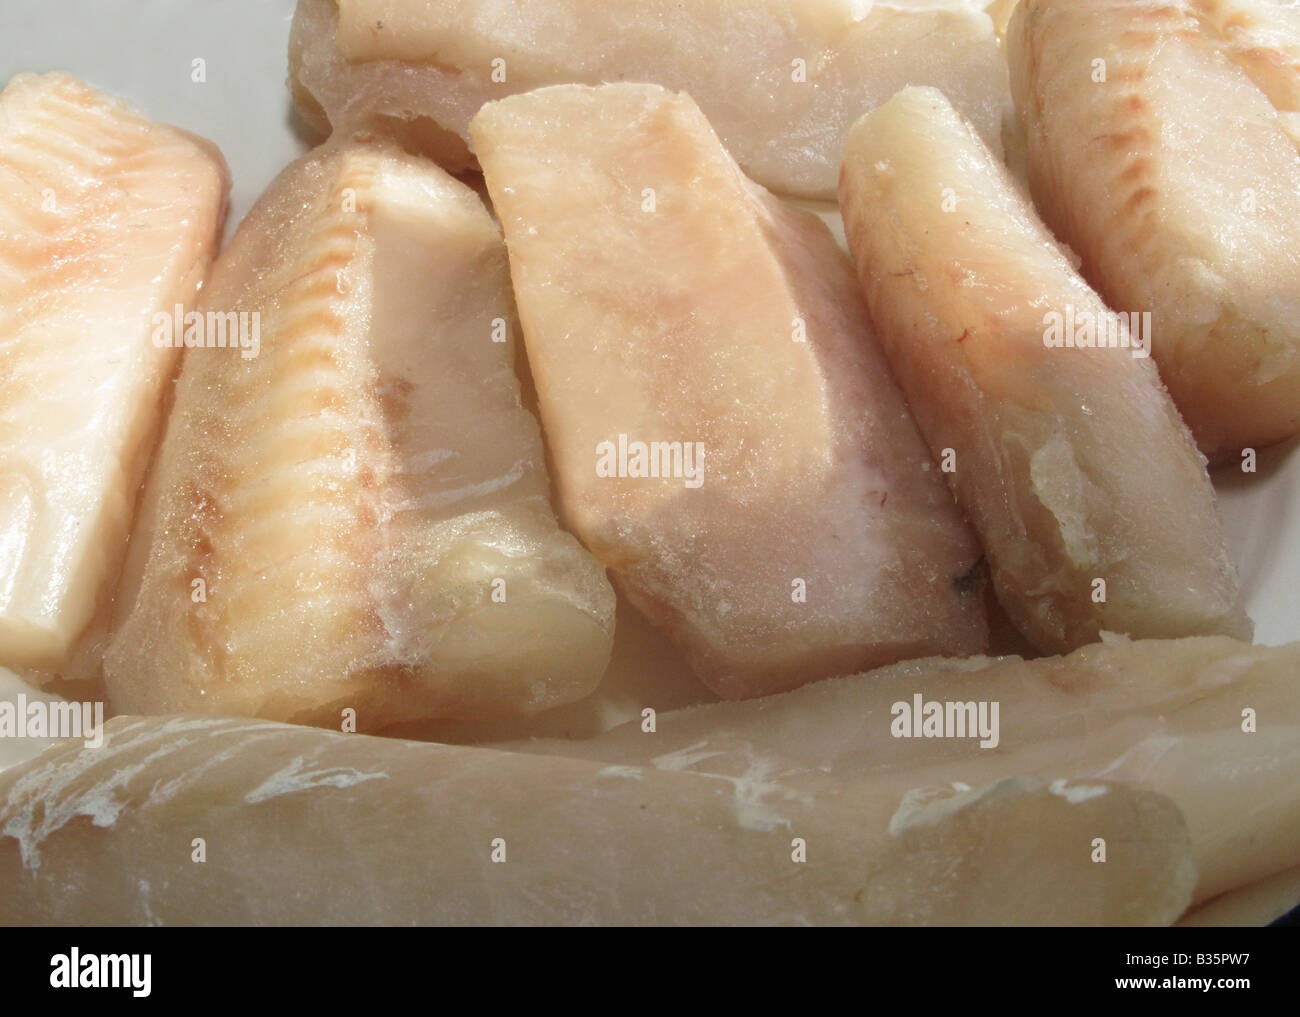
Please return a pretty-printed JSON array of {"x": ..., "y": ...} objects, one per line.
[
  {"x": 726, "y": 434},
  {"x": 106, "y": 219},
  {"x": 301, "y": 826},
  {"x": 1166, "y": 168},
  {"x": 1167, "y": 715},
  {"x": 781, "y": 80},
  {"x": 1072, "y": 463},
  {"x": 350, "y": 509}
]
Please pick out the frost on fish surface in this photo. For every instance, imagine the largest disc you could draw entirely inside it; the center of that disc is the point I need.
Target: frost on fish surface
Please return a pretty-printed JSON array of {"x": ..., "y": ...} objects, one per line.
[
  {"x": 47, "y": 797},
  {"x": 684, "y": 759},
  {"x": 296, "y": 777},
  {"x": 1075, "y": 793},
  {"x": 46, "y": 792},
  {"x": 750, "y": 789},
  {"x": 929, "y": 806},
  {"x": 753, "y": 812}
]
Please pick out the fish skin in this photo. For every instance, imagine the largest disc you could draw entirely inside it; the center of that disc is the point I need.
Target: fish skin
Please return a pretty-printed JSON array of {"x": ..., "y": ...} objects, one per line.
[
  {"x": 106, "y": 218},
  {"x": 676, "y": 325},
  {"x": 1065, "y": 458},
  {"x": 349, "y": 495},
  {"x": 1178, "y": 185},
  {"x": 424, "y": 70}
]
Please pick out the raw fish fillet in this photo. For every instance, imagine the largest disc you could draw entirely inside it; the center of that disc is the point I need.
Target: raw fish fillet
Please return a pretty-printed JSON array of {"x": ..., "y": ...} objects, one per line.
[
  {"x": 301, "y": 826},
  {"x": 781, "y": 80},
  {"x": 1176, "y": 183},
  {"x": 106, "y": 218},
  {"x": 357, "y": 516},
  {"x": 1092, "y": 500},
  {"x": 1166, "y": 715},
  {"x": 666, "y": 299}
]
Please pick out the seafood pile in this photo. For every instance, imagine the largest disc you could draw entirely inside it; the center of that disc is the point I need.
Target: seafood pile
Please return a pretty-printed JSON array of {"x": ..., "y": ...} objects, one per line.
[{"x": 856, "y": 368}]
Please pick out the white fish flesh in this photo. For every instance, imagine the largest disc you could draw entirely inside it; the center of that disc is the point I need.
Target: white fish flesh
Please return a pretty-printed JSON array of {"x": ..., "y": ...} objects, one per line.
[
  {"x": 1068, "y": 459},
  {"x": 1166, "y": 168},
  {"x": 106, "y": 219},
  {"x": 781, "y": 80},
  {"x": 725, "y": 431},
  {"x": 349, "y": 510}
]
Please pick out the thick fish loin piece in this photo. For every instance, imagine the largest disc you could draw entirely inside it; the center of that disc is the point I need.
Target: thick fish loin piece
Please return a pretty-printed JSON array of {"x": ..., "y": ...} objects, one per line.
[
  {"x": 349, "y": 508},
  {"x": 106, "y": 218},
  {"x": 1176, "y": 183},
  {"x": 302, "y": 826},
  {"x": 1067, "y": 459},
  {"x": 797, "y": 527},
  {"x": 780, "y": 80},
  {"x": 1167, "y": 715}
]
